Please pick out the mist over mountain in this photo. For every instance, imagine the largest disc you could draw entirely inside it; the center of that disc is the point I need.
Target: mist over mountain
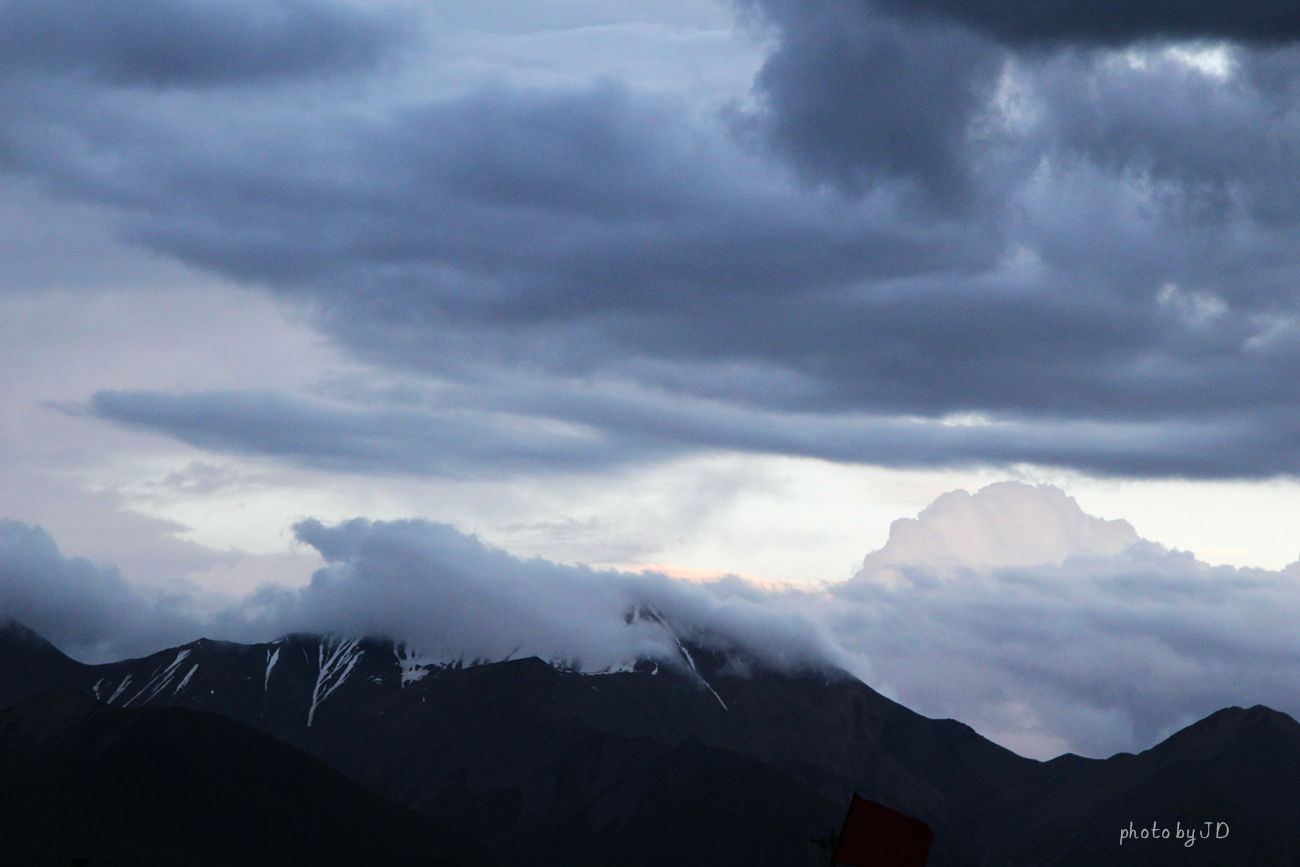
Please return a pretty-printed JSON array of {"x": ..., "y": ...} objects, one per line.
[{"x": 1009, "y": 608}]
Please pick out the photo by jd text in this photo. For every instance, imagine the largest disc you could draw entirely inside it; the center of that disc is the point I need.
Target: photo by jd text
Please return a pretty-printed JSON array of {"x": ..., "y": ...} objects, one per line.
[{"x": 1206, "y": 831}]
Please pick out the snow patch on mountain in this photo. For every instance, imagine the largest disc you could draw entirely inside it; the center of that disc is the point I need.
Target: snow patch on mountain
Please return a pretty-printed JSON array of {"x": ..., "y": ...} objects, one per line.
[
  {"x": 336, "y": 659},
  {"x": 185, "y": 679},
  {"x": 272, "y": 657},
  {"x": 121, "y": 686},
  {"x": 159, "y": 680}
]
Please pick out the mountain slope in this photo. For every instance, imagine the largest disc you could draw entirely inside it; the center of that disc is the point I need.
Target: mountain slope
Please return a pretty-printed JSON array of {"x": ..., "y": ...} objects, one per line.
[
  {"x": 30, "y": 665},
  {"x": 436, "y": 735},
  {"x": 172, "y": 786},
  {"x": 1236, "y": 767},
  {"x": 694, "y": 762}
]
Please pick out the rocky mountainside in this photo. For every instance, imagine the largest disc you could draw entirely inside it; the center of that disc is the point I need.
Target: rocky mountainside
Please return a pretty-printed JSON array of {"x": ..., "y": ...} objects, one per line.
[
  {"x": 1232, "y": 779},
  {"x": 699, "y": 760}
]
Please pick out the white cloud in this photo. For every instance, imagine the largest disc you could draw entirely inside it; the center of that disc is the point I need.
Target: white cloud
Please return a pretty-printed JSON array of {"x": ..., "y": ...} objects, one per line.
[
  {"x": 1049, "y": 629},
  {"x": 1005, "y": 524}
]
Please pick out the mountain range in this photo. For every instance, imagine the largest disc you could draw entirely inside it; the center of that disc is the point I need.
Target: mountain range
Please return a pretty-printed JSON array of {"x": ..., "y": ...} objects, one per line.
[{"x": 706, "y": 759}]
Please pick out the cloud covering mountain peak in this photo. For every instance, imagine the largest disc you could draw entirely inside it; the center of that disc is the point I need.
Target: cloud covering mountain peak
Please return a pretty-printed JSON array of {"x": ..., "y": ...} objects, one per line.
[{"x": 1011, "y": 609}]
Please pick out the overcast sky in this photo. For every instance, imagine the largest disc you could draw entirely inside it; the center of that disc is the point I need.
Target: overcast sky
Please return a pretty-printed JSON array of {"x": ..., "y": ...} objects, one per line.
[{"x": 701, "y": 286}]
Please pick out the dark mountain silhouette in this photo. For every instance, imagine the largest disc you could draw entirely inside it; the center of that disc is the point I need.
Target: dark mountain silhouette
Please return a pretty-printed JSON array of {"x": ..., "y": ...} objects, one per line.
[
  {"x": 1239, "y": 767},
  {"x": 698, "y": 763},
  {"x": 170, "y": 786}
]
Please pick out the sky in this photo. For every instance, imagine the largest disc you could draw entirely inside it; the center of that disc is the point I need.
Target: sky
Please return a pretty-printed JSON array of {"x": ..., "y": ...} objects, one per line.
[{"x": 600, "y": 303}]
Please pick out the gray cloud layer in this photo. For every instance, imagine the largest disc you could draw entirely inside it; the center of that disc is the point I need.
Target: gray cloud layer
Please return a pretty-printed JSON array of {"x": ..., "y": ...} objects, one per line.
[
  {"x": 190, "y": 42},
  {"x": 1093, "y": 249},
  {"x": 497, "y": 432}
]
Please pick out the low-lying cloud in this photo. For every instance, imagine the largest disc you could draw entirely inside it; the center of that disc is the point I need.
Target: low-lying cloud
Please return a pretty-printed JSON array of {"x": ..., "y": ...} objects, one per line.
[
  {"x": 1009, "y": 609},
  {"x": 83, "y": 607}
]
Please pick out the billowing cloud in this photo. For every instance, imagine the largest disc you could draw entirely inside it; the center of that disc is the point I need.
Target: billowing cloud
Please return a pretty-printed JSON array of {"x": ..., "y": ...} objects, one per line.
[
  {"x": 458, "y": 598},
  {"x": 1010, "y": 609},
  {"x": 1093, "y": 655},
  {"x": 446, "y": 592}
]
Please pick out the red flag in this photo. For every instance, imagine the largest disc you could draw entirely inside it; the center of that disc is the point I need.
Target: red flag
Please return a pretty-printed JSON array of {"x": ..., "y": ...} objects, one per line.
[{"x": 876, "y": 836}]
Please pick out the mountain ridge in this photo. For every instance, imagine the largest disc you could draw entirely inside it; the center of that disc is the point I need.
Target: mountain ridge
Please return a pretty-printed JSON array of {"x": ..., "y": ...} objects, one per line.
[{"x": 558, "y": 767}]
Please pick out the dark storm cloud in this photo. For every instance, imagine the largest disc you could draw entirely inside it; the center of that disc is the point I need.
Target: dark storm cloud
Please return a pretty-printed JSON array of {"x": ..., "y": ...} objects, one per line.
[
  {"x": 1094, "y": 250},
  {"x": 456, "y": 441},
  {"x": 190, "y": 42},
  {"x": 499, "y": 431},
  {"x": 856, "y": 99},
  {"x": 1111, "y": 22},
  {"x": 1219, "y": 153}
]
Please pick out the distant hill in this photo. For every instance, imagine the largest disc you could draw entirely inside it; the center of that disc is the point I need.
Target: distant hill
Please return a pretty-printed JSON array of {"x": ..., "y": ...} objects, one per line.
[{"x": 700, "y": 762}]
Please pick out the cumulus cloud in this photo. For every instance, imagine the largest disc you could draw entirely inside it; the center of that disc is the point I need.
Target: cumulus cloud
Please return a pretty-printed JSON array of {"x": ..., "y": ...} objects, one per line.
[
  {"x": 1010, "y": 609},
  {"x": 1004, "y": 524},
  {"x": 1052, "y": 630}
]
